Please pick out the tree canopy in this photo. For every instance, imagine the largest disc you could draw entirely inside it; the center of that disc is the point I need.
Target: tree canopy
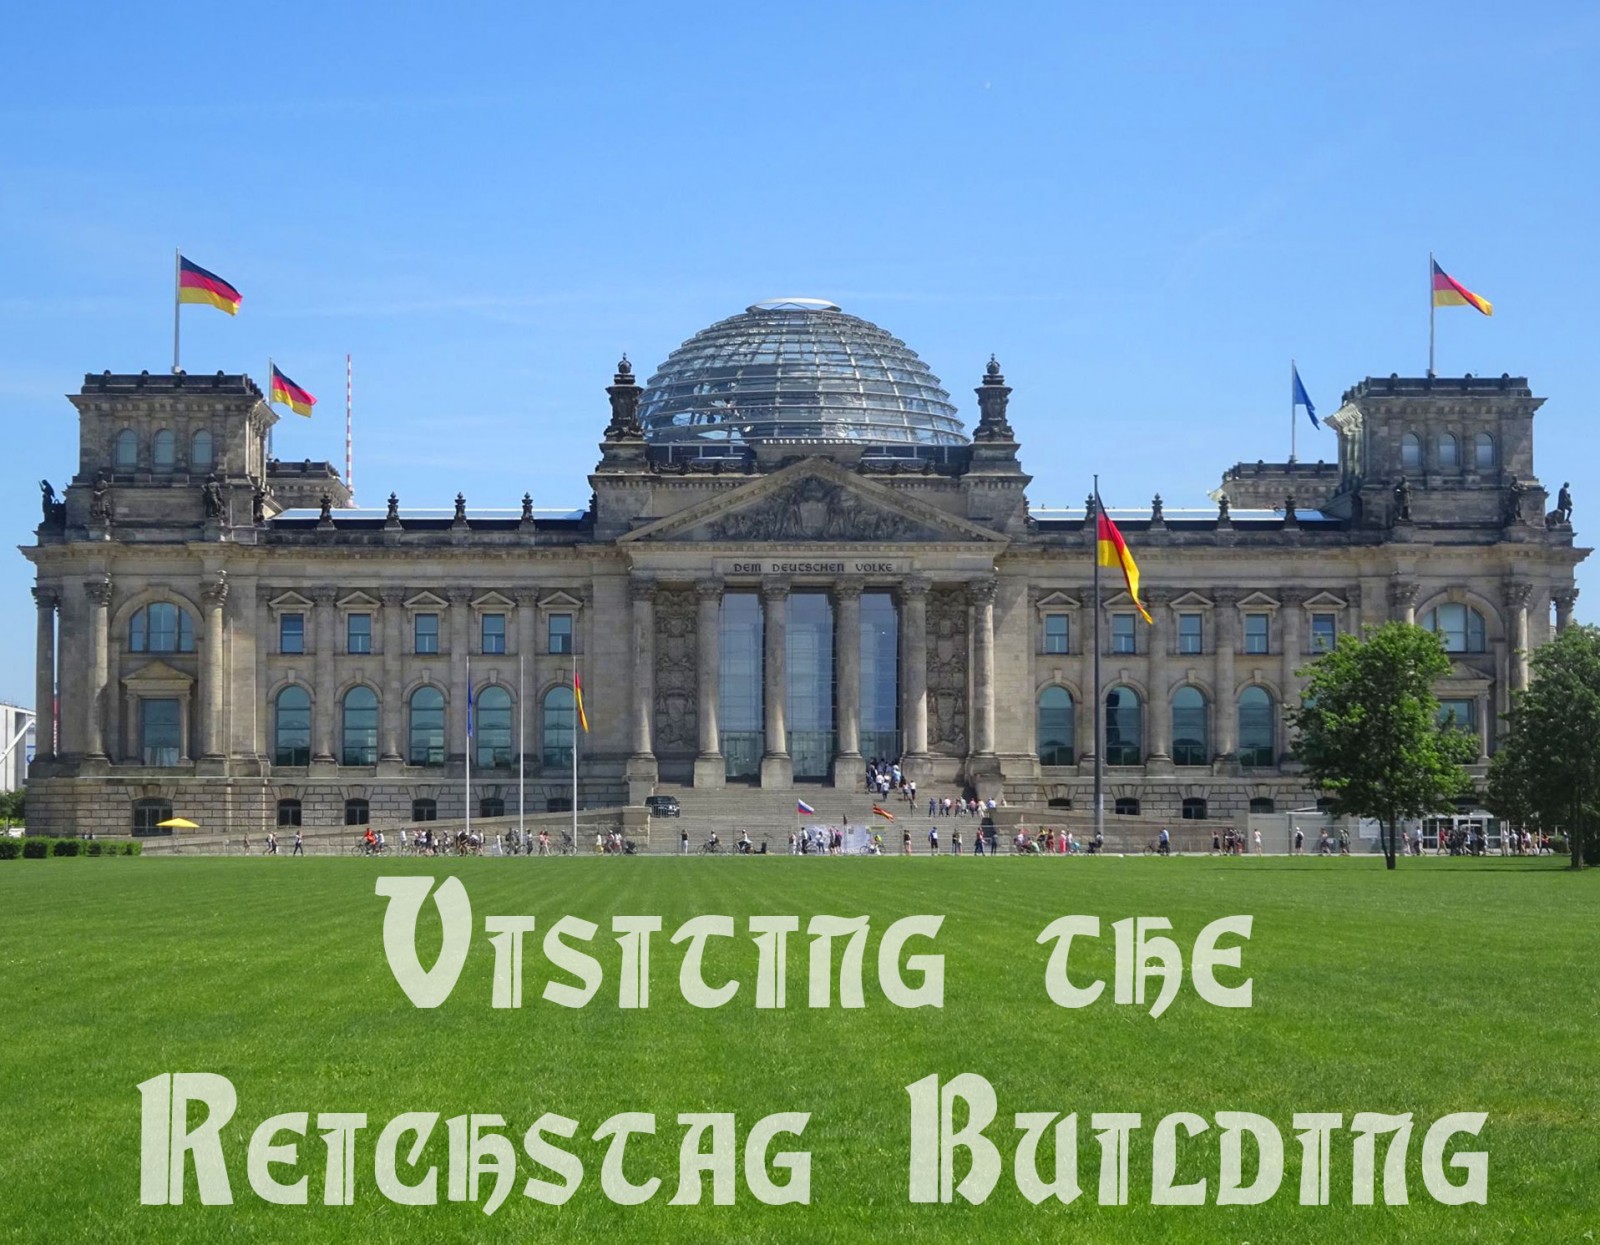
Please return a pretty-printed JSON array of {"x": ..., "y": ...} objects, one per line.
[
  {"x": 1369, "y": 730},
  {"x": 1546, "y": 771}
]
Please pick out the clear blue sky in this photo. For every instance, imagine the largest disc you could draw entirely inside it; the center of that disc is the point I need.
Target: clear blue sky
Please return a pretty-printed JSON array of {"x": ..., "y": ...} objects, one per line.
[{"x": 1144, "y": 213}]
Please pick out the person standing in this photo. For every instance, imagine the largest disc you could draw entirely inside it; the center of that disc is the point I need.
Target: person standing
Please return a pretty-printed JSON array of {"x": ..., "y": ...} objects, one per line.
[
  {"x": 299, "y": 844},
  {"x": 933, "y": 840},
  {"x": 683, "y": 841},
  {"x": 955, "y": 842}
]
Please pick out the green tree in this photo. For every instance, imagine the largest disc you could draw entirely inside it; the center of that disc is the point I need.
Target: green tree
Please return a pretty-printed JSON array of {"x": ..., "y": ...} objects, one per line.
[
  {"x": 1369, "y": 730},
  {"x": 13, "y": 806},
  {"x": 1546, "y": 771}
]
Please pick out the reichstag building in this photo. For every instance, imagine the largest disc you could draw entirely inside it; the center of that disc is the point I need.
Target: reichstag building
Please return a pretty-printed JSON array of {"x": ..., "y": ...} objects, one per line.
[{"x": 798, "y": 554}]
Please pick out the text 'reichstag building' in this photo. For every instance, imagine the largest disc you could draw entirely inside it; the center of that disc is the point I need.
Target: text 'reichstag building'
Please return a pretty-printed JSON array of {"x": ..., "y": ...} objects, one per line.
[{"x": 795, "y": 557}]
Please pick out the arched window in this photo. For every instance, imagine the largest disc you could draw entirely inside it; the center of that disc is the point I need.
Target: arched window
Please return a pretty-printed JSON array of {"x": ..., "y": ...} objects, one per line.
[
  {"x": 1126, "y": 806},
  {"x": 1262, "y": 804},
  {"x": 1055, "y": 726},
  {"x": 357, "y": 812},
  {"x": 125, "y": 456},
  {"x": 160, "y": 628},
  {"x": 202, "y": 451},
  {"x": 1460, "y": 627},
  {"x": 1257, "y": 728},
  {"x": 148, "y": 816},
  {"x": 1124, "y": 727},
  {"x": 360, "y": 727},
  {"x": 1189, "y": 743},
  {"x": 1483, "y": 452},
  {"x": 1194, "y": 809},
  {"x": 491, "y": 806},
  {"x": 558, "y": 726},
  {"x": 1449, "y": 450},
  {"x": 424, "y": 810},
  {"x": 164, "y": 450},
  {"x": 291, "y": 727},
  {"x": 1410, "y": 452},
  {"x": 289, "y": 812},
  {"x": 426, "y": 738},
  {"x": 491, "y": 728}
]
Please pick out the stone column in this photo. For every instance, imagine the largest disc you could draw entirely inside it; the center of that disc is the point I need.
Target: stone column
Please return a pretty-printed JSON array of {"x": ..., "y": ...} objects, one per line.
[
  {"x": 99, "y": 593},
  {"x": 847, "y": 681},
  {"x": 391, "y": 712},
  {"x": 1227, "y": 629},
  {"x": 710, "y": 768},
  {"x": 983, "y": 593},
  {"x": 914, "y": 667},
  {"x": 1159, "y": 759},
  {"x": 212, "y": 671},
  {"x": 777, "y": 768},
  {"x": 44, "y": 674},
  {"x": 1517, "y": 595},
  {"x": 1403, "y": 600},
  {"x": 324, "y": 713},
  {"x": 1294, "y": 657},
  {"x": 642, "y": 593},
  {"x": 455, "y": 733},
  {"x": 1565, "y": 599},
  {"x": 528, "y": 677}
]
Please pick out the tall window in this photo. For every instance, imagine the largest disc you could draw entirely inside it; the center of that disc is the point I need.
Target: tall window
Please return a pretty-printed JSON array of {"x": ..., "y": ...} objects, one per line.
[
  {"x": 1124, "y": 727},
  {"x": 1055, "y": 727},
  {"x": 492, "y": 632},
  {"x": 291, "y": 727},
  {"x": 1057, "y": 637},
  {"x": 559, "y": 723},
  {"x": 148, "y": 816},
  {"x": 291, "y": 633},
  {"x": 1122, "y": 633},
  {"x": 357, "y": 812},
  {"x": 739, "y": 683},
  {"x": 1449, "y": 450},
  {"x": 1189, "y": 743},
  {"x": 358, "y": 633},
  {"x": 289, "y": 813},
  {"x": 1483, "y": 452},
  {"x": 125, "y": 454},
  {"x": 202, "y": 451},
  {"x": 1257, "y": 742},
  {"x": 559, "y": 633},
  {"x": 808, "y": 643},
  {"x": 880, "y": 676},
  {"x": 1460, "y": 627},
  {"x": 360, "y": 727},
  {"x": 160, "y": 730},
  {"x": 164, "y": 450},
  {"x": 425, "y": 633},
  {"x": 1191, "y": 633},
  {"x": 1324, "y": 632},
  {"x": 426, "y": 738},
  {"x": 1255, "y": 632},
  {"x": 491, "y": 727},
  {"x": 161, "y": 628},
  {"x": 1410, "y": 452}
]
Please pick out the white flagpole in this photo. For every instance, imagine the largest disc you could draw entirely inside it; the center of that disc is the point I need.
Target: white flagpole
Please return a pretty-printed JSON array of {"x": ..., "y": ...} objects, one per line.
[
  {"x": 177, "y": 293},
  {"x": 468, "y": 758},
  {"x": 1294, "y": 424},
  {"x": 349, "y": 472},
  {"x": 574, "y": 752},
  {"x": 522, "y": 718}
]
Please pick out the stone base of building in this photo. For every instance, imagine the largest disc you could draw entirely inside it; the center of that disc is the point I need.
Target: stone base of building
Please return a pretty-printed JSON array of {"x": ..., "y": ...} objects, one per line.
[
  {"x": 777, "y": 771},
  {"x": 711, "y": 772}
]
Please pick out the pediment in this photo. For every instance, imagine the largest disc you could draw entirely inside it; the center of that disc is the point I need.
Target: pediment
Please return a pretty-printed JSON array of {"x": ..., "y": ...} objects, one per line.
[
  {"x": 426, "y": 601},
  {"x": 1259, "y": 601},
  {"x": 358, "y": 600},
  {"x": 1059, "y": 601},
  {"x": 493, "y": 601},
  {"x": 1326, "y": 601},
  {"x": 560, "y": 601},
  {"x": 290, "y": 601},
  {"x": 158, "y": 676},
  {"x": 813, "y": 500},
  {"x": 1190, "y": 601}
]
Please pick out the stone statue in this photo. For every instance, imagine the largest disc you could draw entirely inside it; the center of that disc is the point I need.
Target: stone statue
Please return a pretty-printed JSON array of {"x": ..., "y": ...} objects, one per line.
[
  {"x": 1564, "y": 502},
  {"x": 1223, "y": 513},
  {"x": 1402, "y": 501},
  {"x": 258, "y": 504},
  {"x": 1514, "y": 492},
  {"x": 48, "y": 497},
  {"x": 461, "y": 507},
  {"x": 393, "y": 516},
  {"x": 527, "y": 507},
  {"x": 327, "y": 510},
  {"x": 100, "y": 498},
  {"x": 1155, "y": 508},
  {"x": 211, "y": 496},
  {"x": 1289, "y": 516}
]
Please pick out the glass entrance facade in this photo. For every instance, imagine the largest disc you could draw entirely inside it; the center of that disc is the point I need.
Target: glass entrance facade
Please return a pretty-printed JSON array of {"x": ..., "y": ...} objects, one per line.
[
  {"x": 739, "y": 678},
  {"x": 880, "y": 676},
  {"x": 809, "y": 705}
]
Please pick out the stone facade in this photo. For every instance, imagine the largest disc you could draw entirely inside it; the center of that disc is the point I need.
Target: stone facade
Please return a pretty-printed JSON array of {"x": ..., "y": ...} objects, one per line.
[{"x": 225, "y": 653}]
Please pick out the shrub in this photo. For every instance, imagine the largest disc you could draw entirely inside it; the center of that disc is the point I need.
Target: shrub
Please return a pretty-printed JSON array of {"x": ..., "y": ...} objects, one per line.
[
  {"x": 133, "y": 849},
  {"x": 66, "y": 847},
  {"x": 94, "y": 847},
  {"x": 10, "y": 848},
  {"x": 35, "y": 849},
  {"x": 1559, "y": 846}
]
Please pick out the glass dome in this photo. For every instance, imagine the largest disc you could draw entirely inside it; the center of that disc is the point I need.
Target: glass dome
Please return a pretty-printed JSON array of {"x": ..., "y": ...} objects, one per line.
[{"x": 797, "y": 368}]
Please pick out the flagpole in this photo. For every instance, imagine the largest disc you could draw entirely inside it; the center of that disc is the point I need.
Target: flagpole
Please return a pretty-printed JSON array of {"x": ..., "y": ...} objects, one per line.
[
  {"x": 522, "y": 720},
  {"x": 177, "y": 290},
  {"x": 349, "y": 472},
  {"x": 1099, "y": 758},
  {"x": 1293, "y": 423},
  {"x": 1430, "y": 313},
  {"x": 575, "y": 752},
  {"x": 468, "y": 757}
]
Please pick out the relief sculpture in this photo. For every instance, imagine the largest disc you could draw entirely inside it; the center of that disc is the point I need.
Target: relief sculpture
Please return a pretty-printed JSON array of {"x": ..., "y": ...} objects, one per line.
[
  {"x": 947, "y": 671},
  {"x": 675, "y": 716},
  {"x": 815, "y": 509}
]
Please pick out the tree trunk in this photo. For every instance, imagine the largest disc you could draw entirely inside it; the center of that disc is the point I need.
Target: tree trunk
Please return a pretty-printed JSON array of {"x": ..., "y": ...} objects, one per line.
[
  {"x": 1386, "y": 834},
  {"x": 1575, "y": 837}
]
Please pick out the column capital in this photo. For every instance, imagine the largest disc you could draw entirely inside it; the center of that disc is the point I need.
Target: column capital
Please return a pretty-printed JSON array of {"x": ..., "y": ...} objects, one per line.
[
  {"x": 917, "y": 586},
  {"x": 1565, "y": 598},
  {"x": 46, "y": 598},
  {"x": 775, "y": 588},
  {"x": 641, "y": 588},
  {"x": 1404, "y": 591},
  {"x": 98, "y": 590},
  {"x": 983, "y": 590},
  {"x": 322, "y": 596},
  {"x": 1159, "y": 596},
  {"x": 849, "y": 586},
  {"x": 708, "y": 589},
  {"x": 393, "y": 598},
  {"x": 1293, "y": 598},
  {"x": 1226, "y": 598},
  {"x": 1518, "y": 593},
  {"x": 457, "y": 596},
  {"x": 214, "y": 592}
]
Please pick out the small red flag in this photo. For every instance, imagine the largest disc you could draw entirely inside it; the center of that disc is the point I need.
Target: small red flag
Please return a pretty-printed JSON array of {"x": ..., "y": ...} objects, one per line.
[{"x": 880, "y": 811}]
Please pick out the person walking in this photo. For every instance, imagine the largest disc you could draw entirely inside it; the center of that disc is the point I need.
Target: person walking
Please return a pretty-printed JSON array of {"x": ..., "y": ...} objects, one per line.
[
  {"x": 299, "y": 844},
  {"x": 933, "y": 840}
]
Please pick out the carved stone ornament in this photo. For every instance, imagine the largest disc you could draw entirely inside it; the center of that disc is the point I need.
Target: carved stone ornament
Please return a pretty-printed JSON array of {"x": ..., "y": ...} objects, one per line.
[
  {"x": 947, "y": 671},
  {"x": 676, "y": 721},
  {"x": 816, "y": 509}
]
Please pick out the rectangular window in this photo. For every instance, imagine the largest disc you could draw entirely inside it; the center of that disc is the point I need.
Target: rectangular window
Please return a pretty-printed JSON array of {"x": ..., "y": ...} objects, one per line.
[
  {"x": 1122, "y": 633},
  {"x": 358, "y": 633},
  {"x": 560, "y": 633},
  {"x": 160, "y": 731},
  {"x": 425, "y": 632},
  {"x": 1255, "y": 632},
  {"x": 1056, "y": 634},
  {"x": 1463, "y": 714},
  {"x": 493, "y": 632},
  {"x": 291, "y": 633},
  {"x": 1191, "y": 633},
  {"x": 1324, "y": 632}
]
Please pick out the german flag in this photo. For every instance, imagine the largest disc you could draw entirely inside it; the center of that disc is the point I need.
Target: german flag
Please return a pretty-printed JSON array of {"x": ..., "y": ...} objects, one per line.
[
  {"x": 1448, "y": 292},
  {"x": 1113, "y": 551},
  {"x": 879, "y": 811},
  {"x": 290, "y": 394},
  {"x": 577, "y": 696},
  {"x": 196, "y": 285}
]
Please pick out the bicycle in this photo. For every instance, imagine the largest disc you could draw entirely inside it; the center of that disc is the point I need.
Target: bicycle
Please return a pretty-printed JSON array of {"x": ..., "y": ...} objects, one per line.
[{"x": 711, "y": 848}]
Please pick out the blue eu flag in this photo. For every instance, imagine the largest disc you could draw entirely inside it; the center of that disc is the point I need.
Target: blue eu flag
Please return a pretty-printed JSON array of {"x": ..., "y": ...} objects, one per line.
[{"x": 1302, "y": 398}]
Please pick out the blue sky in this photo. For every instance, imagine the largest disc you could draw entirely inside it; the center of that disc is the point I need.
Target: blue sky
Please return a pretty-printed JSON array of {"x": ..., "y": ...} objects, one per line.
[{"x": 1144, "y": 213}]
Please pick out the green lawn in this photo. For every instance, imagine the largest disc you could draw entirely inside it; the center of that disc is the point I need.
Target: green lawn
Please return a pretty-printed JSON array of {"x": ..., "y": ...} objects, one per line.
[{"x": 1450, "y": 985}]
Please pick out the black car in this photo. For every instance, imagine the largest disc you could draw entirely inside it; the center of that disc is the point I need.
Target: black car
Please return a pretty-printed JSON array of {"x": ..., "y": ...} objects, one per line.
[{"x": 661, "y": 805}]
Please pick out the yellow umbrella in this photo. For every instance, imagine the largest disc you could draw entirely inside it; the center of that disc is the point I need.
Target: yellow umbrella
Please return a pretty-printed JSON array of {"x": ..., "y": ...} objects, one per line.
[{"x": 178, "y": 823}]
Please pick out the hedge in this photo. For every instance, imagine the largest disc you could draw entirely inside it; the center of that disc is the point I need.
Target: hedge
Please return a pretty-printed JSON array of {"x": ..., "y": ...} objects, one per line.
[
  {"x": 10, "y": 848},
  {"x": 37, "y": 848}
]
